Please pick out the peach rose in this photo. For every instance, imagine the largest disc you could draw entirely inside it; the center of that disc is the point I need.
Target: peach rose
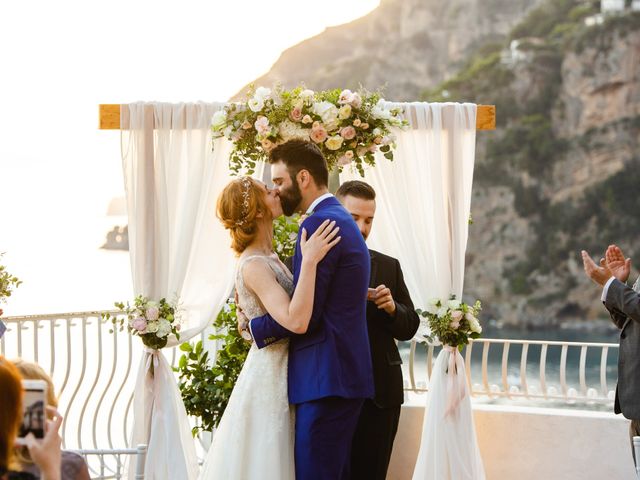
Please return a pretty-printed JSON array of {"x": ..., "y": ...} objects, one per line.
[
  {"x": 357, "y": 122},
  {"x": 343, "y": 160},
  {"x": 246, "y": 125},
  {"x": 348, "y": 133},
  {"x": 267, "y": 144},
  {"x": 307, "y": 119},
  {"x": 319, "y": 134}
]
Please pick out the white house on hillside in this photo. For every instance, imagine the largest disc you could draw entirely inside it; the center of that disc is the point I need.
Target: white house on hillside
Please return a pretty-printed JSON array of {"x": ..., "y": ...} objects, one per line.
[{"x": 612, "y": 6}]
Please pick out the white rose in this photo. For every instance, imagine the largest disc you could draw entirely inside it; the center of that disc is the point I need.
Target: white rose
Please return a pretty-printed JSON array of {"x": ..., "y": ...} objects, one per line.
[
  {"x": 344, "y": 112},
  {"x": 377, "y": 132},
  {"x": 442, "y": 311},
  {"x": 262, "y": 93},
  {"x": 219, "y": 119},
  {"x": 152, "y": 327},
  {"x": 256, "y": 104},
  {"x": 327, "y": 111},
  {"x": 433, "y": 301},
  {"x": 380, "y": 113},
  {"x": 474, "y": 325},
  {"x": 307, "y": 94},
  {"x": 453, "y": 304},
  {"x": 346, "y": 96},
  {"x": 432, "y": 309},
  {"x": 334, "y": 142},
  {"x": 164, "y": 328}
]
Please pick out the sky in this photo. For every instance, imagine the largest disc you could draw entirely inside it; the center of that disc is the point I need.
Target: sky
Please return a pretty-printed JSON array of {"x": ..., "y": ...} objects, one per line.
[{"x": 61, "y": 59}]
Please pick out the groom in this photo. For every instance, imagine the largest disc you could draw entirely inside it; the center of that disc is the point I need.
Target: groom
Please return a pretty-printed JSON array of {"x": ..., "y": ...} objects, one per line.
[{"x": 330, "y": 371}]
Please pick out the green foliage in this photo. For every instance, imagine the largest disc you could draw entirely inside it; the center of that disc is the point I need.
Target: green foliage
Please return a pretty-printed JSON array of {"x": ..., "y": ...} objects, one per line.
[
  {"x": 542, "y": 21},
  {"x": 285, "y": 232},
  {"x": 8, "y": 283},
  {"x": 206, "y": 388},
  {"x": 206, "y": 384}
]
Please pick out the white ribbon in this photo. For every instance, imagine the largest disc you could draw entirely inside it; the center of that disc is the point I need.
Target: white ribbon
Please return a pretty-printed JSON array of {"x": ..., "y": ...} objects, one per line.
[
  {"x": 455, "y": 380},
  {"x": 153, "y": 356}
]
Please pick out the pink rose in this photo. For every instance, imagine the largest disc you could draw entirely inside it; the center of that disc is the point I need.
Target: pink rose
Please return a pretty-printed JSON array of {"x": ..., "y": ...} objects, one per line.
[
  {"x": 457, "y": 315},
  {"x": 140, "y": 324},
  {"x": 343, "y": 160},
  {"x": 318, "y": 135},
  {"x": 348, "y": 132},
  {"x": 296, "y": 114},
  {"x": 454, "y": 324},
  {"x": 152, "y": 313},
  {"x": 262, "y": 125}
]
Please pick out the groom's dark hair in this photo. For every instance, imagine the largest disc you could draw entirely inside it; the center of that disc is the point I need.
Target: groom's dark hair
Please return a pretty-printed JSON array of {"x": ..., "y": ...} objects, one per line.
[{"x": 302, "y": 155}]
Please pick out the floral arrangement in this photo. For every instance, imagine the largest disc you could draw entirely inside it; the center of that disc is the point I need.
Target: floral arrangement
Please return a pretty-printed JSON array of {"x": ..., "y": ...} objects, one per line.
[
  {"x": 452, "y": 322},
  {"x": 7, "y": 283},
  {"x": 151, "y": 321},
  {"x": 349, "y": 127}
]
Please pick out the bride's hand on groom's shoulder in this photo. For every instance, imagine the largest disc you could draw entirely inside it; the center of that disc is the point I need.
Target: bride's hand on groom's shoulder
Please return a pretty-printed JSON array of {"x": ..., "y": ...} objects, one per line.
[{"x": 320, "y": 242}]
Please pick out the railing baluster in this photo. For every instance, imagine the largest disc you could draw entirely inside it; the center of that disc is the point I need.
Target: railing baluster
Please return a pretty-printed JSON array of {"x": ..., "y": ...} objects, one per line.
[
  {"x": 543, "y": 367},
  {"x": 603, "y": 372},
  {"x": 505, "y": 368},
  {"x": 106, "y": 388},
  {"x": 523, "y": 369},
  {"x": 95, "y": 382},
  {"x": 412, "y": 361},
  {"x": 485, "y": 374},
  {"x": 583, "y": 375},
  {"x": 36, "y": 332},
  {"x": 563, "y": 369}
]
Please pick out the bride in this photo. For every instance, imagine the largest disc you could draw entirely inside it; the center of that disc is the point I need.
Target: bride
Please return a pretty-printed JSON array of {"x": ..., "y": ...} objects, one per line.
[{"x": 254, "y": 439}]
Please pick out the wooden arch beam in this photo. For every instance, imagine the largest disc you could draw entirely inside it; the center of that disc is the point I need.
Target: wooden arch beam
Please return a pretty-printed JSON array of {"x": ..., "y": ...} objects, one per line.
[{"x": 110, "y": 117}]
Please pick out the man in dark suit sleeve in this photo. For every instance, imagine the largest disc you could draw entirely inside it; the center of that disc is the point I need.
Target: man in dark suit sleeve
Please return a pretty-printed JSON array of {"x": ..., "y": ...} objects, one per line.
[
  {"x": 623, "y": 304},
  {"x": 390, "y": 317}
]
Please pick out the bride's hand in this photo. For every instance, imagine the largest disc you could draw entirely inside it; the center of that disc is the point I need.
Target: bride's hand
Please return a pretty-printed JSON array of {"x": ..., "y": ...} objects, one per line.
[{"x": 323, "y": 239}]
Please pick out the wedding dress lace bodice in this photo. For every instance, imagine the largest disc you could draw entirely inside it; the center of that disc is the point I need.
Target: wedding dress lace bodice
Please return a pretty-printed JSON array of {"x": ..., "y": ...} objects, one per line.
[
  {"x": 249, "y": 303},
  {"x": 254, "y": 439}
]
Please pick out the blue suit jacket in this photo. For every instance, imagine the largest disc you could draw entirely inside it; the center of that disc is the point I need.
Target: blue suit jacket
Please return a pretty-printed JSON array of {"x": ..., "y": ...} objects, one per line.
[{"x": 333, "y": 357}]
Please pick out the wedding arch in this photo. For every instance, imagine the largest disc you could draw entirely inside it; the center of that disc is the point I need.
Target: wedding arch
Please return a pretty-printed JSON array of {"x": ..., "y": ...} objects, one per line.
[{"x": 172, "y": 179}]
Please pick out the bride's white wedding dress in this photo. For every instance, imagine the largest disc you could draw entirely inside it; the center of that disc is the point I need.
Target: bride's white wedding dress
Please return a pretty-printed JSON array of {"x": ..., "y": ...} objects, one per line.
[{"x": 254, "y": 439}]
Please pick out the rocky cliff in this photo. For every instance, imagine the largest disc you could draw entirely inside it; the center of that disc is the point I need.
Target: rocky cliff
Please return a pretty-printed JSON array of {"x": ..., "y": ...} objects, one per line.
[
  {"x": 404, "y": 45},
  {"x": 561, "y": 171}
]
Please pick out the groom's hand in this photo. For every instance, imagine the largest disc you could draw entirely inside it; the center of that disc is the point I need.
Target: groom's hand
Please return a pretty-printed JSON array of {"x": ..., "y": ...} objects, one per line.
[{"x": 384, "y": 300}]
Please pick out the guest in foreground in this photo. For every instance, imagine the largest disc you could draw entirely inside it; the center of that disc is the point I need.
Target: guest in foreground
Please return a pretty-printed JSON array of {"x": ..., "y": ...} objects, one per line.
[
  {"x": 46, "y": 452},
  {"x": 623, "y": 304},
  {"x": 73, "y": 466},
  {"x": 390, "y": 317}
]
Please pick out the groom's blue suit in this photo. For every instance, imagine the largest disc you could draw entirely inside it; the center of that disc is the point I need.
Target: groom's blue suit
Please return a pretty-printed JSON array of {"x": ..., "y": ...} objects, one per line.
[{"x": 330, "y": 369}]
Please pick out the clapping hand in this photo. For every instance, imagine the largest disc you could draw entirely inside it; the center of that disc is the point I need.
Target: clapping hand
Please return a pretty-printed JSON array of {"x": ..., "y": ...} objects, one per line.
[
  {"x": 619, "y": 266},
  {"x": 599, "y": 274}
]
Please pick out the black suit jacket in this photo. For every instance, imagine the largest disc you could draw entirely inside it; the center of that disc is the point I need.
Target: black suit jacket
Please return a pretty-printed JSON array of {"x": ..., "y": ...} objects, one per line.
[
  {"x": 623, "y": 304},
  {"x": 385, "y": 329}
]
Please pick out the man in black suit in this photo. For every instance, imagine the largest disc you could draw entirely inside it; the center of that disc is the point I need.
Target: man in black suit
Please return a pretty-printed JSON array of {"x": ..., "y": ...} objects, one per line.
[
  {"x": 390, "y": 317},
  {"x": 623, "y": 304}
]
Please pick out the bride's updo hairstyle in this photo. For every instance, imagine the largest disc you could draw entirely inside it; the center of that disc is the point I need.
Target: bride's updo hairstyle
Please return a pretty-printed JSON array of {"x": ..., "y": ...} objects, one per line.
[{"x": 238, "y": 207}]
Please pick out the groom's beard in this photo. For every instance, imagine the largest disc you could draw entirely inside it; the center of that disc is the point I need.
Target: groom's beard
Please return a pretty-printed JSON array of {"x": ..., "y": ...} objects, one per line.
[{"x": 290, "y": 198}]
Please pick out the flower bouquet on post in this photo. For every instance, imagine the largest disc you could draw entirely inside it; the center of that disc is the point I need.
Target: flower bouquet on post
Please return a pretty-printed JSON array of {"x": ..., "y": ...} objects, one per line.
[
  {"x": 450, "y": 322},
  {"x": 151, "y": 321}
]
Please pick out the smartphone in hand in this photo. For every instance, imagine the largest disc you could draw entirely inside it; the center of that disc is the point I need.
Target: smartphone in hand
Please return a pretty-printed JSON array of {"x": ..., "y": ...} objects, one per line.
[
  {"x": 35, "y": 415},
  {"x": 371, "y": 294}
]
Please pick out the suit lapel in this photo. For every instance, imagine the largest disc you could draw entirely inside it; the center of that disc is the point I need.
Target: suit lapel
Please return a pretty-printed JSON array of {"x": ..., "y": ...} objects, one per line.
[{"x": 374, "y": 269}]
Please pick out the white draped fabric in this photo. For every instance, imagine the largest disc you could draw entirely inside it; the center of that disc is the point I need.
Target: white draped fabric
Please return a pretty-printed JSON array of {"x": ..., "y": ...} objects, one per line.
[
  {"x": 423, "y": 205},
  {"x": 177, "y": 248}
]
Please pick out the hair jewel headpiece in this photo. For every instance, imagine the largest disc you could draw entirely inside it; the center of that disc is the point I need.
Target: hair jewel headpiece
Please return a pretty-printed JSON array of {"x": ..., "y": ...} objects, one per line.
[{"x": 245, "y": 183}]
